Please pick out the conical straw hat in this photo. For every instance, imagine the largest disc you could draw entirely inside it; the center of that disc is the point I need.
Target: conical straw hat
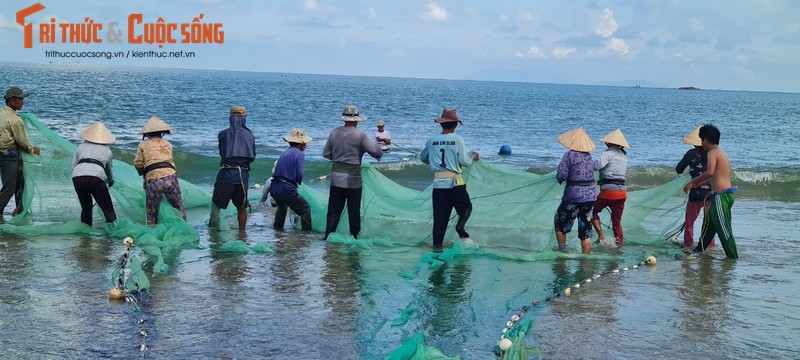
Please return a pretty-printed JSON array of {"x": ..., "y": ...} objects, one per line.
[
  {"x": 98, "y": 134},
  {"x": 615, "y": 137},
  {"x": 297, "y": 136},
  {"x": 155, "y": 125},
  {"x": 693, "y": 137},
  {"x": 577, "y": 140}
]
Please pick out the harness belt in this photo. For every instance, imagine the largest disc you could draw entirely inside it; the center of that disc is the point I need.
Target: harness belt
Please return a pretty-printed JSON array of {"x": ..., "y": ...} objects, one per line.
[
  {"x": 158, "y": 165},
  {"x": 352, "y": 169},
  {"x": 92, "y": 161},
  {"x": 446, "y": 175},
  {"x": 612, "y": 181},
  {"x": 284, "y": 180},
  {"x": 580, "y": 183},
  {"x": 9, "y": 153}
]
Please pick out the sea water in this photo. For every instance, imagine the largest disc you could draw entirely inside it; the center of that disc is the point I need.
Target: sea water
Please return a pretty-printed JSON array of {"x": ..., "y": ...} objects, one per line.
[{"x": 309, "y": 299}]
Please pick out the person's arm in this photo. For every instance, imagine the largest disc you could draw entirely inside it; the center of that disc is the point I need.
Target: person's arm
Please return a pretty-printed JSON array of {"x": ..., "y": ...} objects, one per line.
[
  {"x": 387, "y": 139},
  {"x": 108, "y": 169},
  {"x": 563, "y": 168},
  {"x": 301, "y": 167},
  {"x": 138, "y": 162},
  {"x": 464, "y": 158},
  {"x": 75, "y": 159},
  {"x": 327, "y": 151},
  {"x": 424, "y": 156},
  {"x": 705, "y": 177},
  {"x": 681, "y": 167},
  {"x": 21, "y": 137},
  {"x": 373, "y": 149},
  {"x": 602, "y": 161}
]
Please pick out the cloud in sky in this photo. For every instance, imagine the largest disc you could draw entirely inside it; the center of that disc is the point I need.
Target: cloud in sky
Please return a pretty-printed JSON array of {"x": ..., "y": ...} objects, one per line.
[
  {"x": 706, "y": 43},
  {"x": 606, "y": 25},
  {"x": 435, "y": 12}
]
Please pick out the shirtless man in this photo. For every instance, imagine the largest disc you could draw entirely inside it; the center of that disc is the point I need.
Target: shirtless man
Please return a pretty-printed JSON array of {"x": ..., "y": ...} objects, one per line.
[{"x": 718, "y": 175}]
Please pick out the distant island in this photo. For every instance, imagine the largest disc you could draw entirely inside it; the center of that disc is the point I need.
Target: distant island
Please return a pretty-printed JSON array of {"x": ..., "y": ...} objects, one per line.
[{"x": 688, "y": 88}]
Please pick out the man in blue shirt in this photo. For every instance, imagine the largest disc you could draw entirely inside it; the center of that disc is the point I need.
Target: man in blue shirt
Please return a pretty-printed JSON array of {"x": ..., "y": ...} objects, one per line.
[
  {"x": 237, "y": 149},
  {"x": 446, "y": 153},
  {"x": 288, "y": 176}
]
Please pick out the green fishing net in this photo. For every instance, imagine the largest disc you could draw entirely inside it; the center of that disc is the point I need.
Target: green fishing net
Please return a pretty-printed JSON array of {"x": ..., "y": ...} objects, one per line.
[
  {"x": 50, "y": 205},
  {"x": 511, "y": 209},
  {"x": 512, "y": 216}
]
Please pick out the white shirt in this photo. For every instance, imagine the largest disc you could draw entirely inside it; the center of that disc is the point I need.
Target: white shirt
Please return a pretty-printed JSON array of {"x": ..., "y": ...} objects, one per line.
[{"x": 381, "y": 136}]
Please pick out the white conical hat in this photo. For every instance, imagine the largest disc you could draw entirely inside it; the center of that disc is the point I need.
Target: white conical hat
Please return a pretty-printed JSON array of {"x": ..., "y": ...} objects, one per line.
[
  {"x": 693, "y": 137},
  {"x": 576, "y": 139},
  {"x": 615, "y": 137},
  {"x": 155, "y": 125},
  {"x": 297, "y": 136},
  {"x": 98, "y": 134}
]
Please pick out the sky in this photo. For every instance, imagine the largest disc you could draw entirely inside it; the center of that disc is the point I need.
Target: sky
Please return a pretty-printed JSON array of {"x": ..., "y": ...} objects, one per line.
[{"x": 709, "y": 44}]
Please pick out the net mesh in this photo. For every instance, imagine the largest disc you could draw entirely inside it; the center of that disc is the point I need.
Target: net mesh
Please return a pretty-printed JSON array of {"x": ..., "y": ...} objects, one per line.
[
  {"x": 512, "y": 216},
  {"x": 511, "y": 208}
]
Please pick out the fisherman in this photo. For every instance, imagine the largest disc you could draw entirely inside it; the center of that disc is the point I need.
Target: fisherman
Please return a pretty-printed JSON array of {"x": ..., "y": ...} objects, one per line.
[
  {"x": 13, "y": 139},
  {"x": 92, "y": 171},
  {"x": 346, "y": 146},
  {"x": 446, "y": 154},
  {"x": 287, "y": 177},
  {"x": 382, "y": 137},
  {"x": 718, "y": 175},
  {"x": 237, "y": 149},
  {"x": 154, "y": 161},
  {"x": 612, "y": 165},
  {"x": 577, "y": 169}
]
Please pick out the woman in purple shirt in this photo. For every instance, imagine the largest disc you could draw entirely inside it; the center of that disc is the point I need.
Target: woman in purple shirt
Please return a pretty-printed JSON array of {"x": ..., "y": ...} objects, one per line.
[{"x": 577, "y": 169}]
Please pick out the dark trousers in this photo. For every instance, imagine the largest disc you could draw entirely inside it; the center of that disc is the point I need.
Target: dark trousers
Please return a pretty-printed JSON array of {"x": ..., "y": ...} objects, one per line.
[
  {"x": 91, "y": 186},
  {"x": 444, "y": 200},
  {"x": 10, "y": 172},
  {"x": 295, "y": 202},
  {"x": 336, "y": 200}
]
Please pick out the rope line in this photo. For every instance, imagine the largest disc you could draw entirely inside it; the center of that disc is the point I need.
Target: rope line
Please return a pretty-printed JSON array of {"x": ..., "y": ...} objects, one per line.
[{"x": 513, "y": 326}]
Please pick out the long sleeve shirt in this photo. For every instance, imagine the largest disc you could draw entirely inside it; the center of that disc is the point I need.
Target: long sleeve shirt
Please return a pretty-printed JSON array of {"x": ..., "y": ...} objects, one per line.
[
  {"x": 13, "y": 136},
  {"x": 577, "y": 166},
  {"x": 347, "y": 145},
  {"x": 151, "y": 151},
  {"x": 612, "y": 165},
  {"x": 446, "y": 152},
  {"x": 696, "y": 160},
  {"x": 97, "y": 152},
  {"x": 291, "y": 166}
]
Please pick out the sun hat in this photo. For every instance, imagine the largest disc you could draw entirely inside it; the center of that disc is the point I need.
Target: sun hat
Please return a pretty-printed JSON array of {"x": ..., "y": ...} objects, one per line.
[
  {"x": 615, "y": 137},
  {"x": 577, "y": 140},
  {"x": 297, "y": 136},
  {"x": 693, "y": 137},
  {"x": 15, "y": 92},
  {"x": 236, "y": 109},
  {"x": 155, "y": 125},
  {"x": 98, "y": 134},
  {"x": 448, "y": 115},
  {"x": 381, "y": 123},
  {"x": 350, "y": 113}
]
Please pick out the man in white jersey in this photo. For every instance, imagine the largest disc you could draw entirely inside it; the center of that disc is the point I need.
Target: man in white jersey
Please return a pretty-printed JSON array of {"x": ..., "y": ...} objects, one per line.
[
  {"x": 382, "y": 137},
  {"x": 446, "y": 154}
]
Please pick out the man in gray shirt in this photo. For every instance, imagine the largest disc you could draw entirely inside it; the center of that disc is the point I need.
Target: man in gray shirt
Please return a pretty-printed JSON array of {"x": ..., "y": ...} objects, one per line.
[{"x": 345, "y": 147}]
